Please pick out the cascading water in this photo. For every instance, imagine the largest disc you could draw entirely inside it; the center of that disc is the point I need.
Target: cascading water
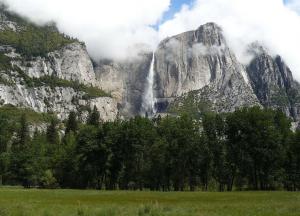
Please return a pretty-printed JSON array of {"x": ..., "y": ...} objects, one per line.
[{"x": 148, "y": 104}]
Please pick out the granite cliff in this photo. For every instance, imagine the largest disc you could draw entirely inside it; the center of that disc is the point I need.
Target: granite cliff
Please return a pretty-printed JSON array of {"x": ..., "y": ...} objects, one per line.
[
  {"x": 201, "y": 62},
  {"x": 273, "y": 82}
]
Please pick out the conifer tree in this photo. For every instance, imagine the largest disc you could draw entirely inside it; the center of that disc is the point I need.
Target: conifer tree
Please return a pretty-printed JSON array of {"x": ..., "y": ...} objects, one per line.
[
  {"x": 52, "y": 133},
  {"x": 72, "y": 124},
  {"x": 94, "y": 117}
]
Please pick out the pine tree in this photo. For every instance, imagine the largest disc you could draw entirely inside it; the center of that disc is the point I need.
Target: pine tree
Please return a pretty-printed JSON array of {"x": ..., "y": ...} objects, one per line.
[
  {"x": 94, "y": 117},
  {"x": 19, "y": 156},
  {"x": 72, "y": 124},
  {"x": 24, "y": 131},
  {"x": 5, "y": 136},
  {"x": 52, "y": 133}
]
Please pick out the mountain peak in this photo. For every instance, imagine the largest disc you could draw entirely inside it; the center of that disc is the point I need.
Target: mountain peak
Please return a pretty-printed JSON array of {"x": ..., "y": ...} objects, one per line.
[
  {"x": 210, "y": 26},
  {"x": 257, "y": 49},
  {"x": 210, "y": 34}
]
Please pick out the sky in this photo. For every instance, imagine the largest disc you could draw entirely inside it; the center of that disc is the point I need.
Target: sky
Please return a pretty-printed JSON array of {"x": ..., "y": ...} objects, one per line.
[
  {"x": 120, "y": 29},
  {"x": 175, "y": 7}
]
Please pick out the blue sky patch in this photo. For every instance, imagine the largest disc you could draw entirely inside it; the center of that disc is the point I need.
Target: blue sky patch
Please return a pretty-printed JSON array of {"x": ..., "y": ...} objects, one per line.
[{"x": 175, "y": 7}]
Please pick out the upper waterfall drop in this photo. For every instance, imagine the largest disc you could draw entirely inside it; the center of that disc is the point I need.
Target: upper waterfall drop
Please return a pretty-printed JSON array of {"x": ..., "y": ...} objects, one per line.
[{"x": 148, "y": 104}]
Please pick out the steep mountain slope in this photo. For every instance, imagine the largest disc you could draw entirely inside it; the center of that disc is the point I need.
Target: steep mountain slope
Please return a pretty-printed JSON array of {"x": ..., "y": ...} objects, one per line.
[
  {"x": 47, "y": 72},
  {"x": 273, "y": 82}
]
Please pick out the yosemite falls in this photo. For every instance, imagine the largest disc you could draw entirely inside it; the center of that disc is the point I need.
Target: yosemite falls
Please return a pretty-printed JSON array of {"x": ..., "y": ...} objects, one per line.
[{"x": 148, "y": 103}]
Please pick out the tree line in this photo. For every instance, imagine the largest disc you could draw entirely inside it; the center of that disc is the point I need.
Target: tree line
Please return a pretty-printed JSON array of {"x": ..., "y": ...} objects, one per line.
[{"x": 249, "y": 149}]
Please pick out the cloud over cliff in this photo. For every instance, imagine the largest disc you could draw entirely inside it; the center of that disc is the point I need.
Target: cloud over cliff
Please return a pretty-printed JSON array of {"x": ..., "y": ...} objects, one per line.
[
  {"x": 111, "y": 29},
  {"x": 270, "y": 22}
]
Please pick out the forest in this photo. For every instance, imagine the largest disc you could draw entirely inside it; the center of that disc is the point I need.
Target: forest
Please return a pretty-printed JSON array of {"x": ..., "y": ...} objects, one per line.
[{"x": 249, "y": 149}]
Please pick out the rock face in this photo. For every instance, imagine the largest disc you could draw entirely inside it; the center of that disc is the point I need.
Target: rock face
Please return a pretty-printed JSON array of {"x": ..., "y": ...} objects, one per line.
[
  {"x": 72, "y": 62},
  {"x": 273, "y": 82},
  {"x": 201, "y": 61},
  {"x": 5, "y": 23},
  {"x": 57, "y": 100},
  {"x": 126, "y": 80}
]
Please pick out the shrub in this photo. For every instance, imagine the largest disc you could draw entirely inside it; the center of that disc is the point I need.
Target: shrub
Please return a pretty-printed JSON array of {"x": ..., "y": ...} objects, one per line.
[{"x": 48, "y": 180}]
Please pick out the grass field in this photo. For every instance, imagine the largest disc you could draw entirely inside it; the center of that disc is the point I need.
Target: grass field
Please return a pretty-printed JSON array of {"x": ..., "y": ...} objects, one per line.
[{"x": 15, "y": 201}]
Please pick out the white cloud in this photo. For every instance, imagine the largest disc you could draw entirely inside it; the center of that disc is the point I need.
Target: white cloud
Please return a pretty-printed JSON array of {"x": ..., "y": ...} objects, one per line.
[
  {"x": 270, "y": 22},
  {"x": 110, "y": 28}
]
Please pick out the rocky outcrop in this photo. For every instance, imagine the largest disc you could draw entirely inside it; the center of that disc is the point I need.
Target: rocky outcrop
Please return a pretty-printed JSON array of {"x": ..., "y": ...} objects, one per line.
[
  {"x": 201, "y": 61},
  {"x": 72, "y": 62},
  {"x": 57, "y": 100},
  {"x": 5, "y": 23},
  {"x": 273, "y": 82}
]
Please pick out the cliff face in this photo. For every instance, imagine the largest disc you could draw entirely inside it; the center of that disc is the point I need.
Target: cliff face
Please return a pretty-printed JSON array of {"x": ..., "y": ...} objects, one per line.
[
  {"x": 69, "y": 66},
  {"x": 201, "y": 61},
  {"x": 126, "y": 80},
  {"x": 273, "y": 83},
  {"x": 71, "y": 62}
]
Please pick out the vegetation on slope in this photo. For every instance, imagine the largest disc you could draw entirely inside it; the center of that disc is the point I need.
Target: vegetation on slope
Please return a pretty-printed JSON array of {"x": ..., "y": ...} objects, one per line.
[
  {"x": 51, "y": 81},
  {"x": 34, "y": 41},
  {"x": 31, "y": 40},
  {"x": 189, "y": 103},
  {"x": 5, "y": 66},
  {"x": 5, "y": 63},
  {"x": 13, "y": 114}
]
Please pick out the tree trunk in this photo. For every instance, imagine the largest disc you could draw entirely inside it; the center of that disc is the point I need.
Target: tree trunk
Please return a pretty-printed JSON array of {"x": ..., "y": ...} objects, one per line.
[
  {"x": 255, "y": 178},
  {"x": 230, "y": 184}
]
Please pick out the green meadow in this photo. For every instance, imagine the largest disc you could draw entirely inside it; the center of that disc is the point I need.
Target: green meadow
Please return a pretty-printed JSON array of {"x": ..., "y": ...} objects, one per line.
[{"x": 33, "y": 202}]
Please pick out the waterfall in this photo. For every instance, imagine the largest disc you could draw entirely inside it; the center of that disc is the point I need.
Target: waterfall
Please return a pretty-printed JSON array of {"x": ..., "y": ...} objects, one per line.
[{"x": 148, "y": 103}]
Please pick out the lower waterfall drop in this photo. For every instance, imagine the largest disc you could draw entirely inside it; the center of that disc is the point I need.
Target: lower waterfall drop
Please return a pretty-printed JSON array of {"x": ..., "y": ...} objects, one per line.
[{"x": 148, "y": 103}]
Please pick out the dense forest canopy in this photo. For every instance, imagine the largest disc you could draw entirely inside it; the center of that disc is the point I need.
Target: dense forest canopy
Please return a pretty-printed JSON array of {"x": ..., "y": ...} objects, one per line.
[{"x": 249, "y": 149}]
